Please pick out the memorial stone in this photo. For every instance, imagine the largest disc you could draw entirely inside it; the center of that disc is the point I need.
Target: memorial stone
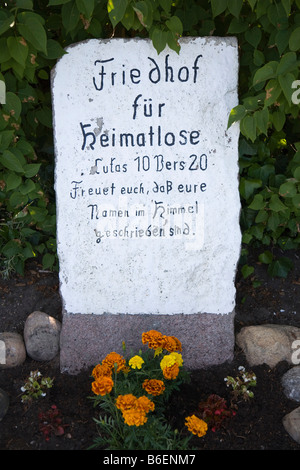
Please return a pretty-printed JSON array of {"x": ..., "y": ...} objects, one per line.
[{"x": 146, "y": 180}]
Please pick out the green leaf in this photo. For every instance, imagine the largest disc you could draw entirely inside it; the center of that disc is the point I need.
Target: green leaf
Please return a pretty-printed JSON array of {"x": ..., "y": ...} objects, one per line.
[
  {"x": 48, "y": 260},
  {"x": 70, "y": 16},
  {"x": 86, "y": 7},
  {"x": 265, "y": 73},
  {"x": 286, "y": 82},
  {"x": 236, "y": 114},
  {"x": 282, "y": 40},
  {"x": 159, "y": 39},
  {"x": 288, "y": 62},
  {"x": 278, "y": 119},
  {"x": 248, "y": 127},
  {"x": 258, "y": 202},
  {"x": 237, "y": 26},
  {"x": 128, "y": 18},
  {"x": 31, "y": 169},
  {"x": 174, "y": 24},
  {"x": 13, "y": 105},
  {"x": 6, "y": 138},
  {"x": 296, "y": 201},
  {"x": 258, "y": 58},
  {"x": 27, "y": 187},
  {"x": 261, "y": 118},
  {"x": 18, "y": 50},
  {"x": 5, "y": 21},
  {"x": 10, "y": 161},
  {"x": 218, "y": 7},
  {"x": 247, "y": 271},
  {"x": 54, "y": 49},
  {"x": 280, "y": 267},
  {"x": 273, "y": 91},
  {"x": 296, "y": 173},
  {"x": 172, "y": 41},
  {"x": 235, "y": 6},
  {"x": 253, "y": 36},
  {"x": 248, "y": 186},
  {"x": 34, "y": 32},
  {"x": 275, "y": 204},
  {"x": 4, "y": 52},
  {"x": 12, "y": 181},
  {"x": 17, "y": 199},
  {"x": 166, "y": 5},
  {"x": 287, "y": 6},
  {"x": 294, "y": 42},
  {"x": 266, "y": 257},
  {"x": 144, "y": 13},
  {"x": 11, "y": 248},
  {"x": 116, "y": 10},
  {"x": 37, "y": 213},
  {"x": 288, "y": 189}
]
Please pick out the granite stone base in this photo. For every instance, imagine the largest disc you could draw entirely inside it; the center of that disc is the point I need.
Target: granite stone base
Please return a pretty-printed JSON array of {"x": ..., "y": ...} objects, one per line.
[{"x": 207, "y": 339}]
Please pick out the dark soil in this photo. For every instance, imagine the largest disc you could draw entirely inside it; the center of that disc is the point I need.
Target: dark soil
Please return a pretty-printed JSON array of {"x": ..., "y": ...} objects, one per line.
[{"x": 257, "y": 424}]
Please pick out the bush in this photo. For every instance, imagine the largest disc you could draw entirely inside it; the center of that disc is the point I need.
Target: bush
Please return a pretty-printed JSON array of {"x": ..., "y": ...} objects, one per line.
[{"x": 33, "y": 35}]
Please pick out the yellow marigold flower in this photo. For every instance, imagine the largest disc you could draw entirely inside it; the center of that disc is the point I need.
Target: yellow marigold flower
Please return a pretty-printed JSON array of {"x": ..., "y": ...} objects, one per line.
[
  {"x": 172, "y": 344},
  {"x": 114, "y": 358},
  {"x": 171, "y": 372},
  {"x": 196, "y": 425},
  {"x": 154, "y": 387},
  {"x": 102, "y": 386},
  {"x": 154, "y": 339},
  {"x": 136, "y": 362},
  {"x": 125, "y": 402},
  {"x": 101, "y": 370},
  {"x": 134, "y": 417},
  {"x": 167, "y": 361},
  {"x": 178, "y": 358}
]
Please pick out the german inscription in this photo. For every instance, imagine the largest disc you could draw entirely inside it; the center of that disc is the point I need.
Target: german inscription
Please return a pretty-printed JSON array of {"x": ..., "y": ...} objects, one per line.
[{"x": 146, "y": 176}]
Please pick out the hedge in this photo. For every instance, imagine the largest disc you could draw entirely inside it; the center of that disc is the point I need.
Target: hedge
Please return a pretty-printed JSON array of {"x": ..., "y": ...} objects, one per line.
[{"x": 33, "y": 35}]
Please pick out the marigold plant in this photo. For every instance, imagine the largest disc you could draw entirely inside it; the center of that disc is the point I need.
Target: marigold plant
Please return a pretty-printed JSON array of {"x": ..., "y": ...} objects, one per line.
[{"x": 132, "y": 393}]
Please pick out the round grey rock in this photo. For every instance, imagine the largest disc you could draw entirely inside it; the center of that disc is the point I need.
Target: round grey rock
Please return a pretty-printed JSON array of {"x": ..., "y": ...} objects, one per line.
[
  {"x": 42, "y": 336},
  {"x": 12, "y": 350},
  {"x": 291, "y": 383},
  {"x": 4, "y": 403},
  {"x": 291, "y": 423}
]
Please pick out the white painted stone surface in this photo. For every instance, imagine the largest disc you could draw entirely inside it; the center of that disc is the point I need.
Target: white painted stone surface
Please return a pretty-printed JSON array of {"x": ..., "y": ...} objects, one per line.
[{"x": 167, "y": 252}]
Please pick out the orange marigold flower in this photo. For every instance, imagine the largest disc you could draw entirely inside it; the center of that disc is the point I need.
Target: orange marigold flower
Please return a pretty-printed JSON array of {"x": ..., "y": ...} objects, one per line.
[
  {"x": 154, "y": 387},
  {"x": 134, "y": 410},
  {"x": 114, "y": 358},
  {"x": 125, "y": 402},
  {"x": 172, "y": 344},
  {"x": 145, "y": 404},
  {"x": 171, "y": 372},
  {"x": 154, "y": 339},
  {"x": 102, "y": 386},
  {"x": 134, "y": 417},
  {"x": 101, "y": 370},
  {"x": 196, "y": 425}
]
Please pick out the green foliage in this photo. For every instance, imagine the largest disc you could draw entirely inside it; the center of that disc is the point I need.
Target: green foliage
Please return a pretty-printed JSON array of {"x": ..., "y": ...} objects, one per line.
[{"x": 33, "y": 35}]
